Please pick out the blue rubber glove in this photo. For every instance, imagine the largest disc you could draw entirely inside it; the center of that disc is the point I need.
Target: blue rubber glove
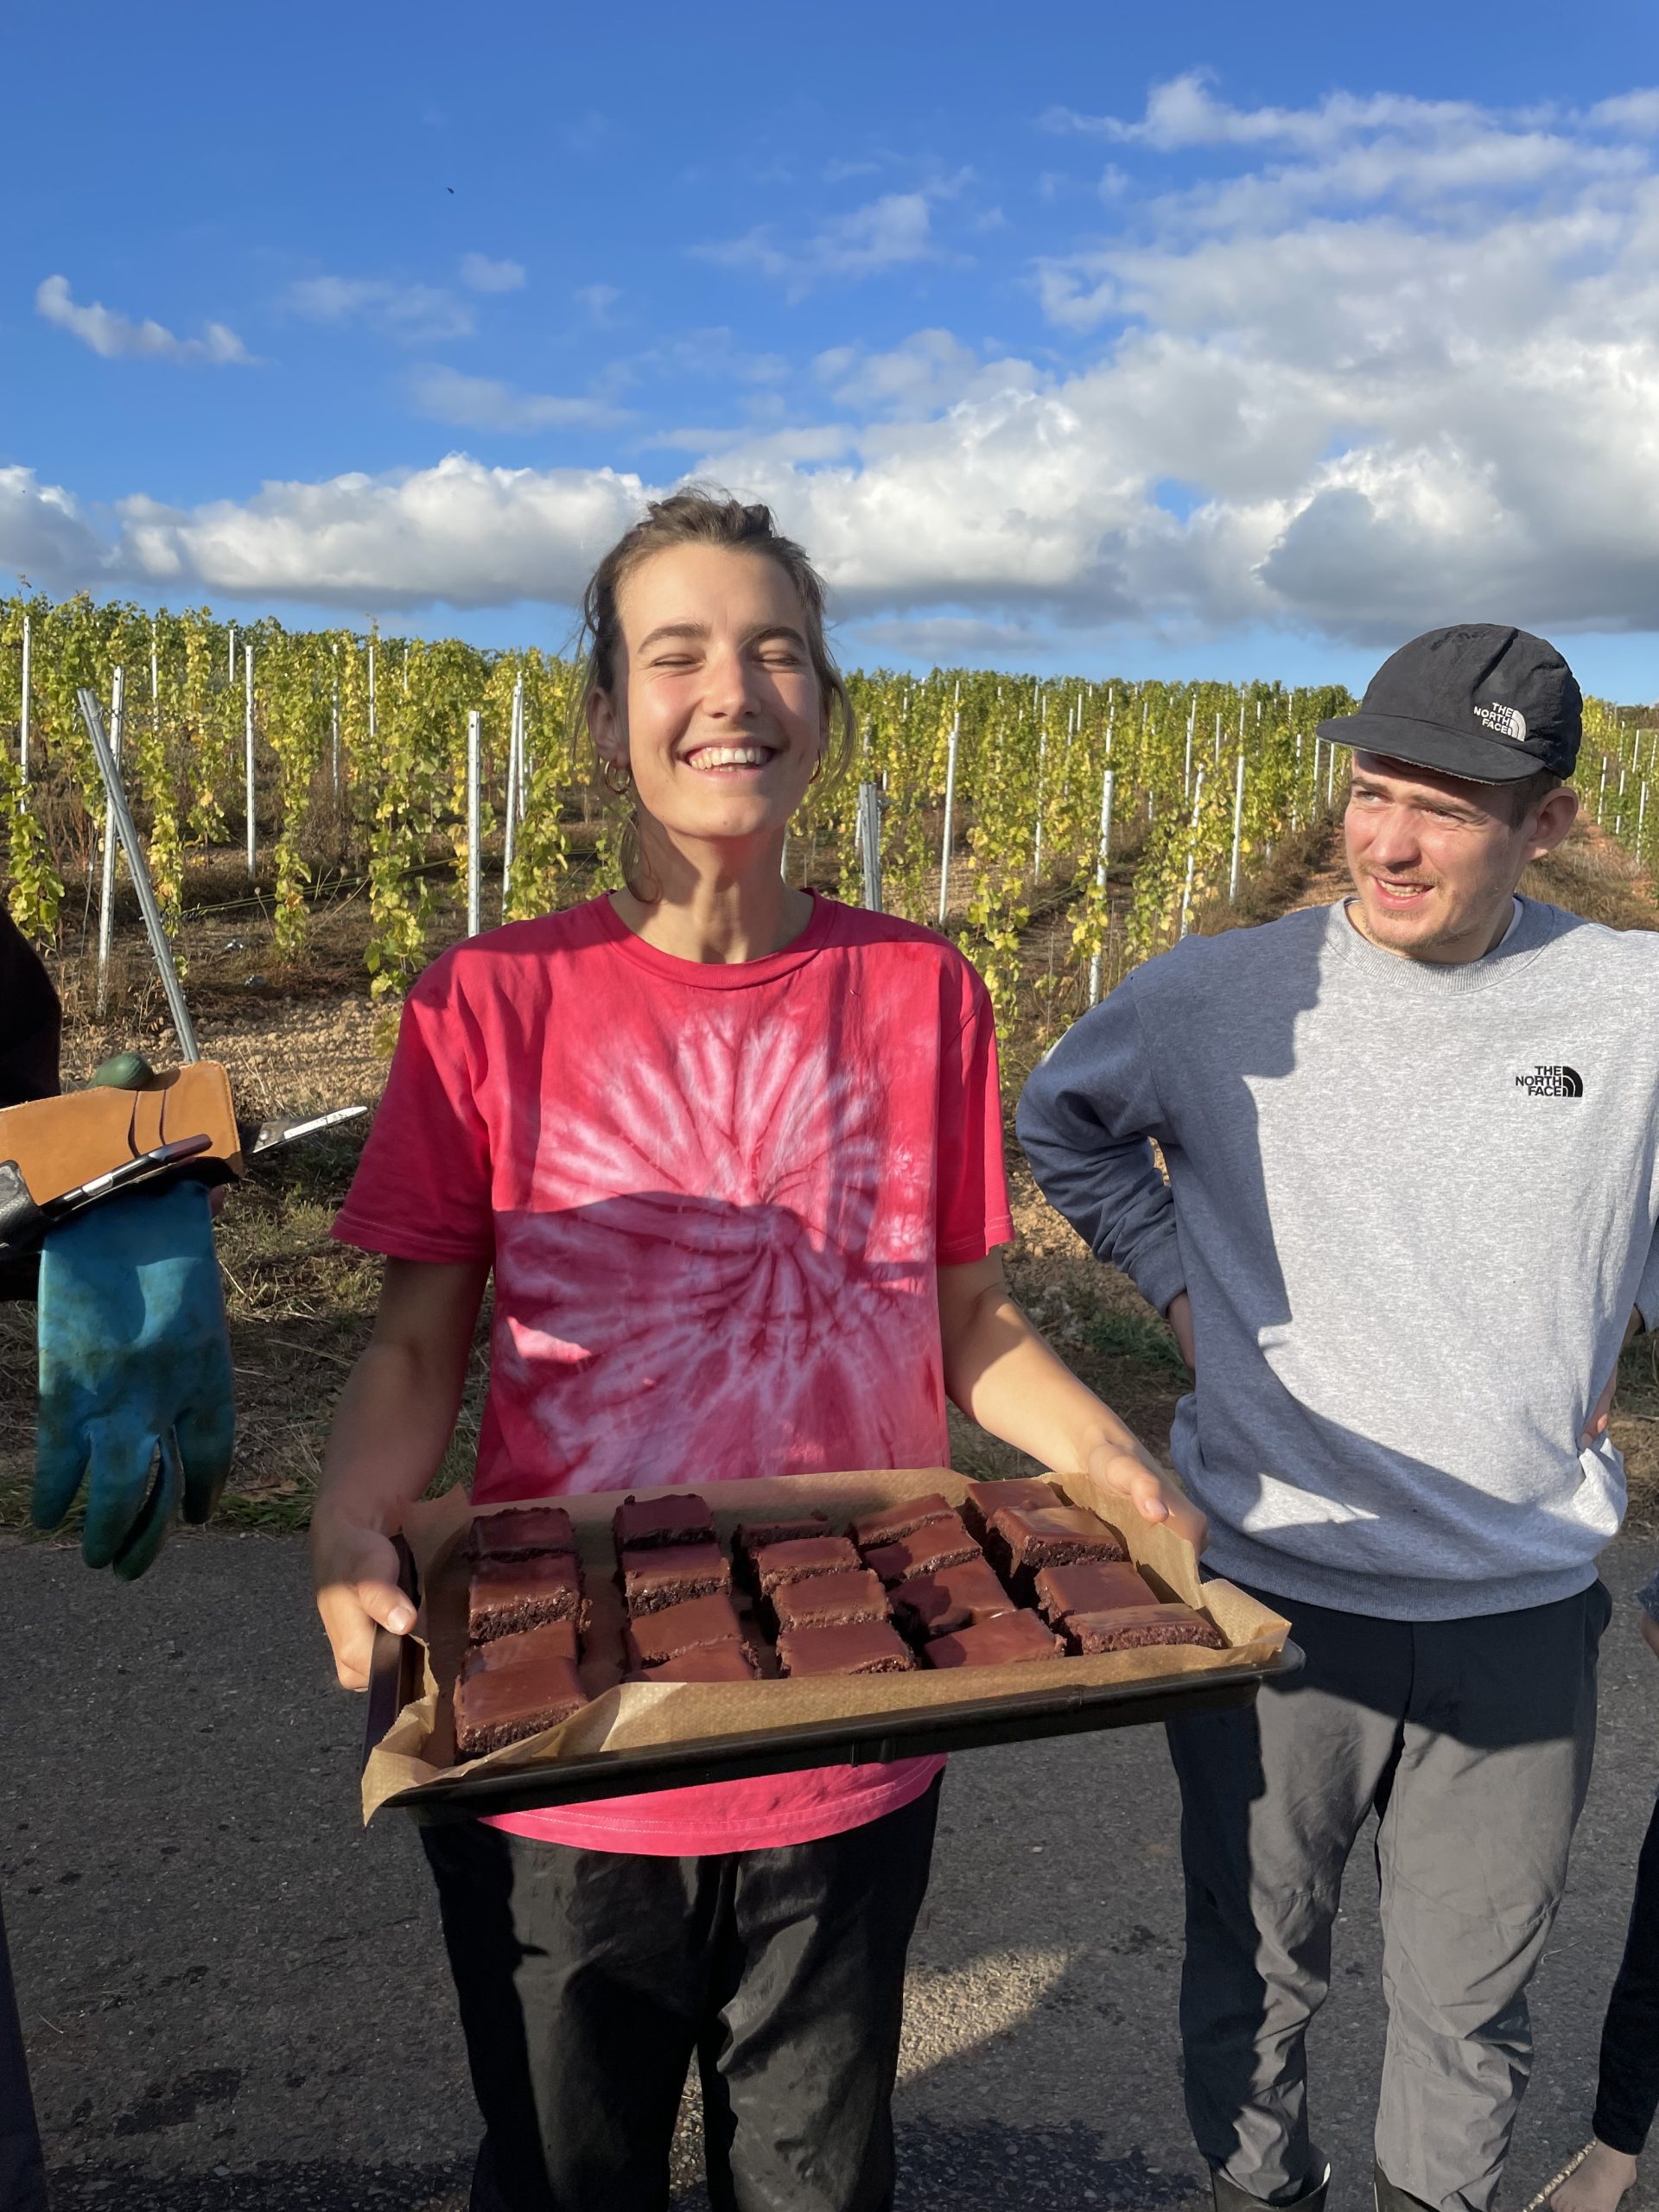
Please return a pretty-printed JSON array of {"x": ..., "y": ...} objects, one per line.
[{"x": 135, "y": 1373}]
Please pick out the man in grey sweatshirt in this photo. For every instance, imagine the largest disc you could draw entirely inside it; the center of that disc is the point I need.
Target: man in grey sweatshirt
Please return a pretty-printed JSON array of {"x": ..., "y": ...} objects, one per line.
[{"x": 1411, "y": 1141}]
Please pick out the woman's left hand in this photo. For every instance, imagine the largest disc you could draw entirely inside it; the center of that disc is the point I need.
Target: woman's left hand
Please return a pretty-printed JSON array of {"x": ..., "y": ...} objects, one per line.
[{"x": 1154, "y": 1495}]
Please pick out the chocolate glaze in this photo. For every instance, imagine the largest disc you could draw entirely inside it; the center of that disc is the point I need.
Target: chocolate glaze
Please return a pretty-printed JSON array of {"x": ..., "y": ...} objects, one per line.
[
  {"x": 1092, "y": 1587},
  {"x": 892, "y": 1522},
  {"x": 776, "y": 1564},
  {"x": 853, "y": 1648},
  {"x": 995, "y": 1643},
  {"x": 666, "y": 1574},
  {"x": 936, "y": 1544},
  {"x": 683, "y": 1518},
  {"x": 957, "y": 1597},
  {"x": 508, "y": 1594},
  {"x": 985, "y": 1498},
  {"x": 824, "y": 1600},
  {"x": 689, "y": 1627},
  {"x": 1136, "y": 1628},
  {"x": 1020, "y": 1543},
  {"x": 715, "y": 1663},
  {"x": 552, "y": 1640},
  {"x": 501, "y": 1705},
  {"x": 517, "y": 1531}
]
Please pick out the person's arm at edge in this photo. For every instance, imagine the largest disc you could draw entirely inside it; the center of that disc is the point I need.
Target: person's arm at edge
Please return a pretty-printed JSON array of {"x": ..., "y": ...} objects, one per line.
[
  {"x": 1002, "y": 1374},
  {"x": 391, "y": 1430},
  {"x": 1085, "y": 1122}
]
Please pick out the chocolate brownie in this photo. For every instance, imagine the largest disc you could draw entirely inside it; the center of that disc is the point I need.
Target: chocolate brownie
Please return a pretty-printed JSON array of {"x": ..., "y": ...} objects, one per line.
[
  {"x": 690, "y": 1626},
  {"x": 683, "y": 1518},
  {"x": 825, "y": 1601},
  {"x": 553, "y": 1639},
  {"x": 892, "y": 1522},
  {"x": 715, "y": 1663},
  {"x": 853, "y": 1648},
  {"x": 1138, "y": 1627},
  {"x": 1021, "y": 1495},
  {"x": 957, "y": 1597},
  {"x": 666, "y": 1575},
  {"x": 754, "y": 1536},
  {"x": 925, "y": 1551},
  {"x": 519, "y": 1531},
  {"x": 799, "y": 1557},
  {"x": 1019, "y": 1543},
  {"x": 995, "y": 1643},
  {"x": 513, "y": 1593},
  {"x": 500, "y": 1705},
  {"x": 1095, "y": 1587}
]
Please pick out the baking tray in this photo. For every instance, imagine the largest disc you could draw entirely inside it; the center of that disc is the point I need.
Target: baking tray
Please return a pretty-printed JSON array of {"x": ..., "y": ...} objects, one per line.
[{"x": 967, "y": 1724}]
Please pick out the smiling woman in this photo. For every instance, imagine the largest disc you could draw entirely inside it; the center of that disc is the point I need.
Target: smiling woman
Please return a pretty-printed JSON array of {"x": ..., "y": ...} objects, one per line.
[{"x": 733, "y": 1153}]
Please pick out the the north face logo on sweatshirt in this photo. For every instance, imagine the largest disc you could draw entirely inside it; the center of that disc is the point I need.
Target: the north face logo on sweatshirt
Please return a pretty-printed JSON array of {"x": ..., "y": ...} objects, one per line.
[{"x": 1561, "y": 1082}]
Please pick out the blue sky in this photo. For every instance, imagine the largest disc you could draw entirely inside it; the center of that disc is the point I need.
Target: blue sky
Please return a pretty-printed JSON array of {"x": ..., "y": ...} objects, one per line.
[{"x": 1197, "y": 340}]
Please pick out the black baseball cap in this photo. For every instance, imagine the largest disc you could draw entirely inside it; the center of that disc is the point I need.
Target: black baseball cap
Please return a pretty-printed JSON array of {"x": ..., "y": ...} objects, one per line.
[{"x": 1479, "y": 700}]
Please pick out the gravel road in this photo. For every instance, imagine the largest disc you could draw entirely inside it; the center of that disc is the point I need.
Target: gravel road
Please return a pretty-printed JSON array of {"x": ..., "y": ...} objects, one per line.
[{"x": 234, "y": 1996}]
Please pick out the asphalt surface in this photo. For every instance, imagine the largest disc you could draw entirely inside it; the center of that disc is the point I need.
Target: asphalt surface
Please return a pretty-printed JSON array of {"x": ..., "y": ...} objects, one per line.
[{"x": 234, "y": 1996}]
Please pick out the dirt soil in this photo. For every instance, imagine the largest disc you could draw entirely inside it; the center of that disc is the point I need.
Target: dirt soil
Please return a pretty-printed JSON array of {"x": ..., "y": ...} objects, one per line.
[{"x": 306, "y": 1035}]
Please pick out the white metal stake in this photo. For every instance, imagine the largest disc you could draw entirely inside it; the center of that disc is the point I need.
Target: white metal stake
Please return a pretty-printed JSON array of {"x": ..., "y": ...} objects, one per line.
[
  {"x": 949, "y": 811},
  {"x": 229, "y": 654},
  {"x": 869, "y": 842},
  {"x": 1330, "y": 775},
  {"x": 1042, "y": 764},
  {"x": 22, "y": 726},
  {"x": 247, "y": 733},
  {"x": 106, "y": 873},
  {"x": 333, "y": 723},
  {"x": 1191, "y": 849},
  {"x": 1103, "y": 863},
  {"x": 372, "y": 731},
  {"x": 473, "y": 915},
  {"x": 1186, "y": 765},
  {"x": 1238, "y": 830},
  {"x": 1215, "y": 752},
  {"x": 515, "y": 780}
]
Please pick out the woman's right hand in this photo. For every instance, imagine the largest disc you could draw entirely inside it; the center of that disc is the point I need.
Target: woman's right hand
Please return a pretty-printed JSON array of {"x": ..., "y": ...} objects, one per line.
[{"x": 355, "y": 1570}]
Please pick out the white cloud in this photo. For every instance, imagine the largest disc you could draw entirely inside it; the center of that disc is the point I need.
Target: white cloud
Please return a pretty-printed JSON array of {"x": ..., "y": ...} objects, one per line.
[
  {"x": 1636, "y": 112},
  {"x": 484, "y": 403},
  {"x": 415, "y": 314},
  {"x": 480, "y": 274},
  {"x": 458, "y": 532},
  {"x": 117, "y": 337},
  {"x": 43, "y": 535},
  {"x": 930, "y": 371},
  {"x": 598, "y": 304},
  {"x": 886, "y": 233},
  {"x": 1387, "y": 408}
]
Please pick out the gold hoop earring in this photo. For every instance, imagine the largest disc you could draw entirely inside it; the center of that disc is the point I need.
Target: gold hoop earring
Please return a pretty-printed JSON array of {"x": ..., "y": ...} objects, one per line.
[{"x": 608, "y": 773}]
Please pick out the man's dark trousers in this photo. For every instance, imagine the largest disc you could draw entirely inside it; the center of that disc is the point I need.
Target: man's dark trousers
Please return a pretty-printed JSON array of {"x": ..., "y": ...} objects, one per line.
[{"x": 1471, "y": 1740}]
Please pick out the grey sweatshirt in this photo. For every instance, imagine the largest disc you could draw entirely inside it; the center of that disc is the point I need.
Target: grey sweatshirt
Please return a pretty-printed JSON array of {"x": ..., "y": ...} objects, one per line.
[{"x": 1413, "y": 1206}]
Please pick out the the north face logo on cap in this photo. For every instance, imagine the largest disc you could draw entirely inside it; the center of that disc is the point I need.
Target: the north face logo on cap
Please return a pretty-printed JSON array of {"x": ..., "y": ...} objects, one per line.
[{"x": 1504, "y": 721}]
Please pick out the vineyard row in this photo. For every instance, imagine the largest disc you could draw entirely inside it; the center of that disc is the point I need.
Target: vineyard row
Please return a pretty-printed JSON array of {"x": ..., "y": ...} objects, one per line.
[{"x": 976, "y": 798}]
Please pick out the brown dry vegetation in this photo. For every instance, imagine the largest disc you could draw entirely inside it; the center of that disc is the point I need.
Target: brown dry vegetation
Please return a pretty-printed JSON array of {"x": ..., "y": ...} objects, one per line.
[{"x": 307, "y": 1034}]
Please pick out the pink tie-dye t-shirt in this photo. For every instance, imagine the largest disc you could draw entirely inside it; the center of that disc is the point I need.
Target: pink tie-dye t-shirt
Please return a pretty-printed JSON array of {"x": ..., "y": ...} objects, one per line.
[{"x": 715, "y": 1197}]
